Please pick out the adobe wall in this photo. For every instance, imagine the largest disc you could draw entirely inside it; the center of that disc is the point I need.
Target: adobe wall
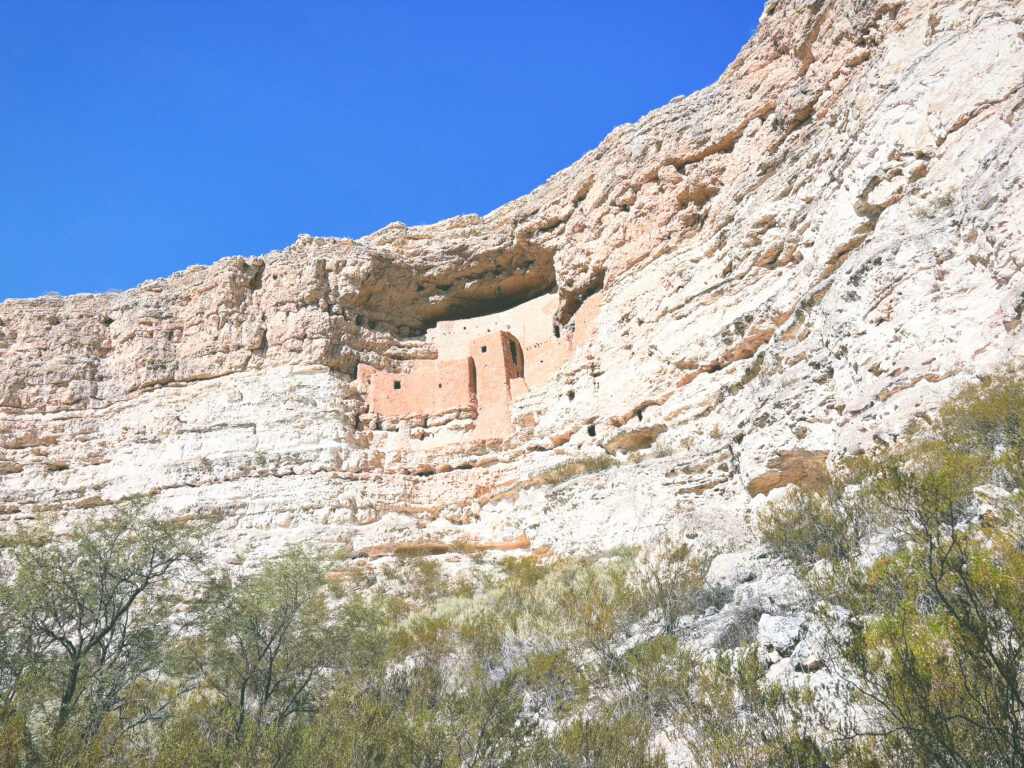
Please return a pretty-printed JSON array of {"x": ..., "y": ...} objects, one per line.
[
  {"x": 498, "y": 358},
  {"x": 531, "y": 323},
  {"x": 483, "y": 363},
  {"x": 432, "y": 387}
]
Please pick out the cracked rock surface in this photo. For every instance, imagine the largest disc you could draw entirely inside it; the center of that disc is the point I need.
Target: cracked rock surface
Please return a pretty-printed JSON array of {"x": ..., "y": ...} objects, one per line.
[{"x": 795, "y": 262}]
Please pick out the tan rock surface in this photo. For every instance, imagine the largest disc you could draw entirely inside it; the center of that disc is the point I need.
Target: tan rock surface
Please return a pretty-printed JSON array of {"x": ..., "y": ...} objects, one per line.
[{"x": 796, "y": 259}]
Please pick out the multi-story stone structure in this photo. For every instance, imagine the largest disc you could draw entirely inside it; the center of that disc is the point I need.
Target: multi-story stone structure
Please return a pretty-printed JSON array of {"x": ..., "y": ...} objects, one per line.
[{"x": 483, "y": 364}]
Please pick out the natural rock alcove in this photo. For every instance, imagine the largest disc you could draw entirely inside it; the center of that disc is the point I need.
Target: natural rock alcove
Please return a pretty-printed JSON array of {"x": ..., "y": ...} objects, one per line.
[{"x": 482, "y": 364}]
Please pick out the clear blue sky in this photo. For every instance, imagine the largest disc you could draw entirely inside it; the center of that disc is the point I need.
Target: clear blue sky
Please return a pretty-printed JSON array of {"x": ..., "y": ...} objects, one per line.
[{"x": 140, "y": 137}]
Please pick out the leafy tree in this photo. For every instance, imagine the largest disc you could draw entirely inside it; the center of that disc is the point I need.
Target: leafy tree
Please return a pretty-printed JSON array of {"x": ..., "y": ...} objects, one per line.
[
  {"x": 86, "y": 617},
  {"x": 265, "y": 643}
]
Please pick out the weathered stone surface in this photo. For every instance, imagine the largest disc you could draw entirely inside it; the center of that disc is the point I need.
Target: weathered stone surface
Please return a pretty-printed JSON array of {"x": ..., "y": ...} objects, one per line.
[
  {"x": 794, "y": 261},
  {"x": 779, "y": 633},
  {"x": 731, "y": 569}
]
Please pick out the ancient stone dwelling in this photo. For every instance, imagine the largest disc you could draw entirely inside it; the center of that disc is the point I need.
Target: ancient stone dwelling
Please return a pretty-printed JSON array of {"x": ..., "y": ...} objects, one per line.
[{"x": 483, "y": 364}]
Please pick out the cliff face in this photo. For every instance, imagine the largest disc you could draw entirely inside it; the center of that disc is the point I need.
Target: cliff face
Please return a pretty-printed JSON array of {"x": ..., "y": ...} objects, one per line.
[{"x": 791, "y": 263}]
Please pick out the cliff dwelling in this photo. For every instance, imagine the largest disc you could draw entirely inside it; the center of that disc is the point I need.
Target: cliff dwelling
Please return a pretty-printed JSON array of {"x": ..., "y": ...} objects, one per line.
[{"x": 483, "y": 364}]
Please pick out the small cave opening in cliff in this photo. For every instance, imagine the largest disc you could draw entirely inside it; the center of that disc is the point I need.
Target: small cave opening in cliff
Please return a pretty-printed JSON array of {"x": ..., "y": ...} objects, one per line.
[{"x": 592, "y": 430}]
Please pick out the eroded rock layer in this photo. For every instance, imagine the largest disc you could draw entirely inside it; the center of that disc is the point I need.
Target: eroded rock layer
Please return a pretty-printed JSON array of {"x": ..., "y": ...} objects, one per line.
[{"x": 792, "y": 263}]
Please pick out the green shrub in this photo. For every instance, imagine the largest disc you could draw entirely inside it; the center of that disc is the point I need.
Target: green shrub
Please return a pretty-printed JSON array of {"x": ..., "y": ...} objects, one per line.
[
  {"x": 738, "y": 720},
  {"x": 807, "y": 526},
  {"x": 601, "y": 741},
  {"x": 567, "y": 470}
]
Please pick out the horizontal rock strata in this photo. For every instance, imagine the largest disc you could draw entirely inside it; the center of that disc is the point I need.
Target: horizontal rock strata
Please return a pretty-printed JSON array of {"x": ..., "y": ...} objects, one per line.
[{"x": 793, "y": 263}]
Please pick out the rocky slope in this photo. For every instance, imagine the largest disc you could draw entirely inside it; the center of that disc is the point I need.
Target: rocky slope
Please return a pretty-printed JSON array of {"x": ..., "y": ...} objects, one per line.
[{"x": 795, "y": 261}]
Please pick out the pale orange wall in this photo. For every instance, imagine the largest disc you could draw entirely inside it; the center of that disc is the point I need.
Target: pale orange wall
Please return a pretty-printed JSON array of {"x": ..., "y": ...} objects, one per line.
[
  {"x": 517, "y": 388},
  {"x": 466, "y": 376},
  {"x": 433, "y": 386},
  {"x": 531, "y": 323},
  {"x": 492, "y": 355},
  {"x": 364, "y": 373}
]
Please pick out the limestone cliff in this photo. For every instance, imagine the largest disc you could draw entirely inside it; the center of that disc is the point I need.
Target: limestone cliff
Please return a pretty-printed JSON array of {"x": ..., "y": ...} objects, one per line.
[{"x": 791, "y": 263}]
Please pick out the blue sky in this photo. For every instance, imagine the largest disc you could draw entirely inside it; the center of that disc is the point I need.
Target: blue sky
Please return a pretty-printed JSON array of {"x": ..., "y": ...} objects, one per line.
[{"x": 141, "y": 137}]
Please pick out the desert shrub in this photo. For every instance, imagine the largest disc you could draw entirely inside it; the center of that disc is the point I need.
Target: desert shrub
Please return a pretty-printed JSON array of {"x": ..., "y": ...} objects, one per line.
[
  {"x": 655, "y": 678},
  {"x": 674, "y": 584},
  {"x": 556, "y": 682},
  {"x": 736, "y": 719},
  {"x": 741, "y": 628},
  {"x": 585, "y": 607},
  {"x": 601, "y": 741},
  {"x": 830, "y": 524},
  {"x": 937, "y": 657},
  {"x": 567, "y": 470}
]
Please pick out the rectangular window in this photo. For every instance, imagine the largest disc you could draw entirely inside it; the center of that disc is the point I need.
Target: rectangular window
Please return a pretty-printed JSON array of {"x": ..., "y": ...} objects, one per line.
[
  {"x": 398, "y": 384},
  {"x": 483, "y": 349},
  {"x": 512, "y": 349}
]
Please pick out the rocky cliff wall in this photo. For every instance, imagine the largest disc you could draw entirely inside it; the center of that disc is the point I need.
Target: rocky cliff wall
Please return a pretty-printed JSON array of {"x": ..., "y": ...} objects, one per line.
[{"x": 794, "y": 261}]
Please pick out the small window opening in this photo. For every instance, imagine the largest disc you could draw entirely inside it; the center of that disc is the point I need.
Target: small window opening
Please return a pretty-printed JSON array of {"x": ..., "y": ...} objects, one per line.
[
  {"x": 398, "y": 385},
  {"x": 440, "y": 385},
  {"x": 483, "y": 348},
  {"x": 592, "y": 430},
  {"x": 558, "y": 332}
]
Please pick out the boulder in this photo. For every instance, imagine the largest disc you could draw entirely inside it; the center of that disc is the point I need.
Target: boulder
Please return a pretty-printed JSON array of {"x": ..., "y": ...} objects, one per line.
[{"x": 779, "y": 633}]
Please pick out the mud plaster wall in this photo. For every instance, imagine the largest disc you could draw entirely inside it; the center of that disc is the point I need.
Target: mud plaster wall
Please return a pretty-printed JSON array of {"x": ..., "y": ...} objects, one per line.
[
  {"x": 531, "y": 323},
  {"x": 433, "y": 386},
  {"x": 483, "y": 364},
  {"x": 496, "y": 364}
]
